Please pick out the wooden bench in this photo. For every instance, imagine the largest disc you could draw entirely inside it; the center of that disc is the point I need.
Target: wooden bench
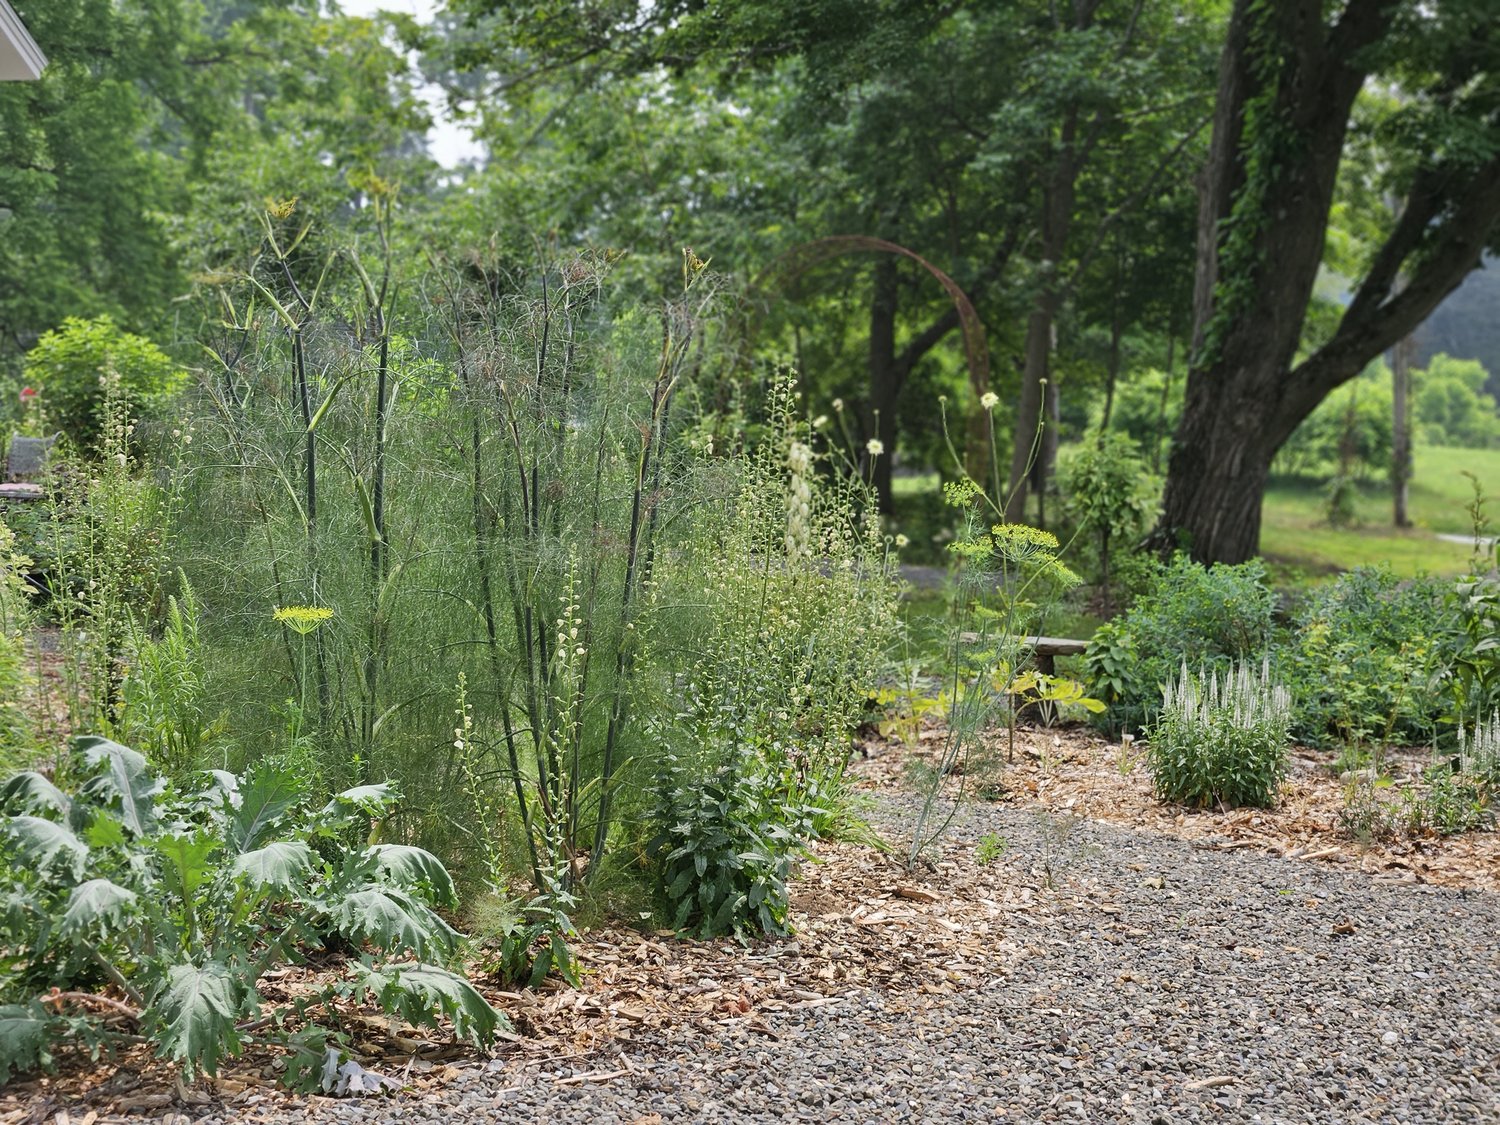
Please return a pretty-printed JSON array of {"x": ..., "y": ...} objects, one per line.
[{"x": 1044, "y": 650}]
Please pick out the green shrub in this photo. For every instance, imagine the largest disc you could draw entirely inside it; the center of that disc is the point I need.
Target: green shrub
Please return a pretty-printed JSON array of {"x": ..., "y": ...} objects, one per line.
[
  {"x": 163, "y": 707},
  {"x": 1209, "y": 617},
  {"x": 1459, "y": 793},
  {"x": 1221, "y": 740},
  {"x": 792, "y": 611},
  {"x": 1110, "y": 493},
  {"x": 1473, "y": 647},
  {"x": 16, "y": 736},
  {"x": 724, "y": 847},
  {"x": 184, "y": 901},
  {"x": 77, "y": 367},
  {"x": 1365, "y": 661}
]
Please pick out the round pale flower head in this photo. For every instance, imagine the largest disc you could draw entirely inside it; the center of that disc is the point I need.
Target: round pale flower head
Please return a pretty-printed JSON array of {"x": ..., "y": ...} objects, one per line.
[
  {"x": 902, "y": 541},
  {"x": 820, "y": 421},
  {"x": 989, "y": 400},
  {"x": 874, "y": 447},
  {"x": 838, "y": 404}
]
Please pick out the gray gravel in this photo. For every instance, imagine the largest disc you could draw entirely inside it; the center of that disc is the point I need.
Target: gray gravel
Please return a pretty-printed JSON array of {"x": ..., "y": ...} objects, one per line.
[{"x": 1172, "y": 985}]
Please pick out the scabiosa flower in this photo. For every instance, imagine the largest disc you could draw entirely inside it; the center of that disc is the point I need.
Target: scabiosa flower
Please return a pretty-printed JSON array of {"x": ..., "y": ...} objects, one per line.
[
  {"x": 874, "y": 447},
  {"x": 989, "y": 400}
]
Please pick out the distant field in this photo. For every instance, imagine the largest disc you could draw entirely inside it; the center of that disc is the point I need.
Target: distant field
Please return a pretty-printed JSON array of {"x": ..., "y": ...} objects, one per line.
[{"x": 1295, "y": 535}]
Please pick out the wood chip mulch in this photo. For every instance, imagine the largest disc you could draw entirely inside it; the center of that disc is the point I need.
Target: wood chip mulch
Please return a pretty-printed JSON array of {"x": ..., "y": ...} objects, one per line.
[
  {"x": 1075, "y": 770},
  {"x": 859, "y": 919}
]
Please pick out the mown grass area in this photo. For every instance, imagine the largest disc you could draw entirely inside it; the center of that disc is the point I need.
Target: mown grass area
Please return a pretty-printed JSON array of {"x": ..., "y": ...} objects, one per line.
[{"x": 1296, "y": 537}]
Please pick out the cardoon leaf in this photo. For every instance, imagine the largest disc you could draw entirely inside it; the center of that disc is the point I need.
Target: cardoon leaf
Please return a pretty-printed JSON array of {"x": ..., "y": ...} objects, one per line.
[
  {"x": 393, "y": 920},
  {"x": 41, "y": 843},
  {"x": 188, "y": 856},
  {"x": 372, "y": 800},
  {"x": 97, "y": 904},
  {"x": 412, "y": 868},
  {"x": 269, "y": 795},
  {"x": 24, "y": 1037},
  {"x": 281, "y": 865},
  {"x": 421, "y": 992},
  {"x": 122, "y": 776},
  {"x": 31, "y": 792},
  {"x": 195, "y": 1014}
]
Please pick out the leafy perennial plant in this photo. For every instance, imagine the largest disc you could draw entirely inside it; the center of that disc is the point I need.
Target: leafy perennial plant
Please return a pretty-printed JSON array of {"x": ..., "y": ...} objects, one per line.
[
  {"x": 180, "y": 903},
  {"x": 1221, "y": 740}
]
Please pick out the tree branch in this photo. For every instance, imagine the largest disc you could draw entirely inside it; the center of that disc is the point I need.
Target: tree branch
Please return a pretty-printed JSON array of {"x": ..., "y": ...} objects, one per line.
[
  {"x": 1378, "y": 317},
  {"x": 1130, "y": 202}
]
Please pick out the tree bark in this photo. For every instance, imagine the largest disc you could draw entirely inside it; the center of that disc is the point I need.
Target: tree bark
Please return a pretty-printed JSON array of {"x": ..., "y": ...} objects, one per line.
[
  {"x": 1027, "y": 445},
  {"x": 1297, "y": 78},
  {"x": 1057, "y": 217},
  {"x": 1401, "y": 357}
]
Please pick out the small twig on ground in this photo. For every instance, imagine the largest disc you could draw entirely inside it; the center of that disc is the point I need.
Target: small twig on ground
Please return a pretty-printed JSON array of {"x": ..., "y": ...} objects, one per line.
[{"x": 88, "y": 1000}]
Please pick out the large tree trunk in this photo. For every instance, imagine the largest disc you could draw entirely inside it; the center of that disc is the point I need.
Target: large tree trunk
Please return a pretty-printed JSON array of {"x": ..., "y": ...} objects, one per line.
[
  {"x": 1027, "y": 444},
  {"x": 1028, "y": 464},
  {"x": 1226, "y": 452},
  {"x": 1401, "y": 357},
  {"x": 1287, "y": 84}
]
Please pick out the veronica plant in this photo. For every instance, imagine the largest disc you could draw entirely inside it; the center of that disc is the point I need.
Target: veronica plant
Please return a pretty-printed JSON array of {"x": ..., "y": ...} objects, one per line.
[{"x": 1221, "y": 740}]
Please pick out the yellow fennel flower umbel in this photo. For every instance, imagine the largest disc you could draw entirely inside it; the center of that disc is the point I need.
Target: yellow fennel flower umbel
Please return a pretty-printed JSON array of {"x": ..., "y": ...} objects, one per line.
[{"x": 302, "y": 618}]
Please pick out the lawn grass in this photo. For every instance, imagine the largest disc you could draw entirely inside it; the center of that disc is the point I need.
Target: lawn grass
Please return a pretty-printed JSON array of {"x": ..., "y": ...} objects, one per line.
[{"x": 1296, "y": 538}]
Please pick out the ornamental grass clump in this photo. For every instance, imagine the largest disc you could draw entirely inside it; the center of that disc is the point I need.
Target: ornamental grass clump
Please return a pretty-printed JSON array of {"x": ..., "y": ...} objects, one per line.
[{"x": 1222, "y": 741}]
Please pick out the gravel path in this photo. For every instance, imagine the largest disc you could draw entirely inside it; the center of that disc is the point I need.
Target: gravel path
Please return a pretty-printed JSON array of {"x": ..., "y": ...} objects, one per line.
[{"x": 1169, "y": 985}]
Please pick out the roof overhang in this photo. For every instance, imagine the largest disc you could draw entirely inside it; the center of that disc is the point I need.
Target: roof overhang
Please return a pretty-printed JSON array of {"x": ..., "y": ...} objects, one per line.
[{"x": 20, "y": 57}]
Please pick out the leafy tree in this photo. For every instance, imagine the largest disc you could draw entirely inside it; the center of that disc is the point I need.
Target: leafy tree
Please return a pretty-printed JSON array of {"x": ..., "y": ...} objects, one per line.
[
  {"x": 69, "y": 367},
  {"x": 1452, "y": 407},
  {"x": 158, "y": 129},
  {"x": 1110, "y": 493},
  {"x": 957, "y": 136},
  {"x": 1289, "y": 79},
  {"x": 86, "y": 171}
]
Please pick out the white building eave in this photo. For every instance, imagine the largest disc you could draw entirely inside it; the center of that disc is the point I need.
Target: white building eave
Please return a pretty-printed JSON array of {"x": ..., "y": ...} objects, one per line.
[{"x": 20, "y": 57}]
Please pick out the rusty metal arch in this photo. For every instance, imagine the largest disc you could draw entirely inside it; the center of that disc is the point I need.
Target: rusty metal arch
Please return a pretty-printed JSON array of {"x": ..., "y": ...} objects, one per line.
[{"x": 805, "y": 255}]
